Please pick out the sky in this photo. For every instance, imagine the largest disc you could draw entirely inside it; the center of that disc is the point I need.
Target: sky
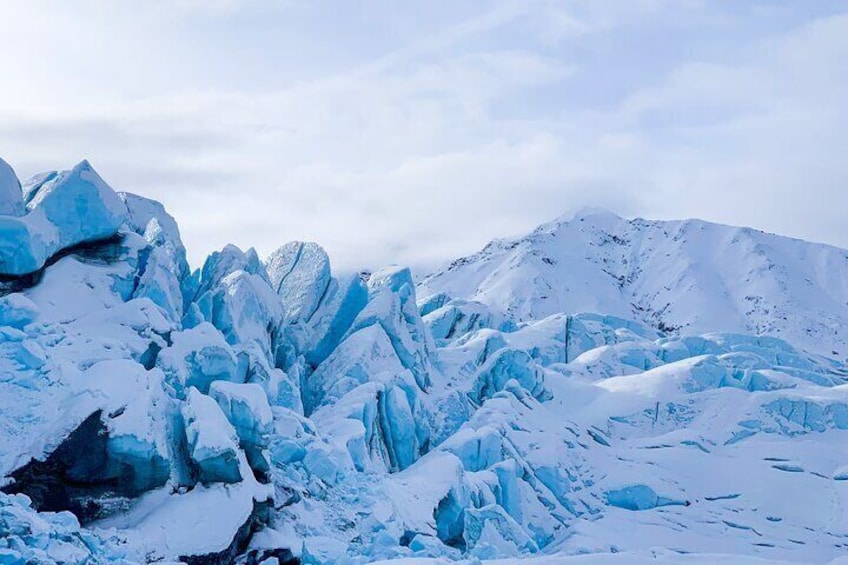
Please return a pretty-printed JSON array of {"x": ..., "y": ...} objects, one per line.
[{"x": 415, "y": 132}]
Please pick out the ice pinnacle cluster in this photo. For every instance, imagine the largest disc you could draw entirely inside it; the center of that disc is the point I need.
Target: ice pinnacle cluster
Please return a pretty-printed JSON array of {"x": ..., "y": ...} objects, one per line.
[{"x": 598, "y": 386}]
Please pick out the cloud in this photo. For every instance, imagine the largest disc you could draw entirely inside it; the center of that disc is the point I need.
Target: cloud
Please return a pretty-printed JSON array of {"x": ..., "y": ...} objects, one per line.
[
  {"x": 471, "y": 124},
  {"x": 755, "y": 141}
]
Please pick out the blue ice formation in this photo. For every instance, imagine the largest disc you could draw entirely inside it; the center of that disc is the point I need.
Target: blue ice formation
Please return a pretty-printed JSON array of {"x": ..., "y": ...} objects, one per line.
[
  {"x": 639, "y": 497},
  {"x": 299, "y": 273},
  {"x": 506, "y": 365},
  {"x": 197, "y": 357},
  {"x": 63, "y": 209},
  {"x": 212, "y": 441},
  {"x": 49, "y": 537},
  {"x": 11, "y": 199}
]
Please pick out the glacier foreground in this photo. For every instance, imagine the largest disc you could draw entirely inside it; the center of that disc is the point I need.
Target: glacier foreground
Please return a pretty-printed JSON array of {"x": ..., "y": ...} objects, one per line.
[{"x": 601, "y": 390}]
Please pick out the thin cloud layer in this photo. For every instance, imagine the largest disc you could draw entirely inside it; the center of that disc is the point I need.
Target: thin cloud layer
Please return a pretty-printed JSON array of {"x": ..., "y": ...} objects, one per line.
[{"x": 415, "y": 134}]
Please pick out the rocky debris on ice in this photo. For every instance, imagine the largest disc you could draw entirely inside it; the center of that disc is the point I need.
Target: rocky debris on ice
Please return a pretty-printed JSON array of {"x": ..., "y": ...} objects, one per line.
[
  {"x": 136, "y": 422},
  {"x": 104, "y": 438}
]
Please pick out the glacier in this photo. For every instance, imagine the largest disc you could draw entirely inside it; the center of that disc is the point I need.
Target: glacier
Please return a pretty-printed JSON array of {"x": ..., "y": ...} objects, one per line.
[
  {"x": 63, "y": 209},
  {"x": 601, "y": 390}
]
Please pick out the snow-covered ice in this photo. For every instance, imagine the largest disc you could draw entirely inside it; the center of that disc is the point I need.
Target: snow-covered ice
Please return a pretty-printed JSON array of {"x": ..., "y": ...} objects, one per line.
[
  {"x": 63, "y": 210},
  {"x": 601, "y": 390}
]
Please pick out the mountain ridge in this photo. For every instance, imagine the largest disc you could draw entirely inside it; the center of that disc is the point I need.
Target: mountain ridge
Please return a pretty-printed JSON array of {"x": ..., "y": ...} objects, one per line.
[
  {"x": 601, "y": 262},
  {"x": 252, "y": 412}
]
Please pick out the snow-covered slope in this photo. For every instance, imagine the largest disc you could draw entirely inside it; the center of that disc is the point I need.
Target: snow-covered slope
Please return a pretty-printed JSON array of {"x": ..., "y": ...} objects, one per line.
[
  {"x": 682, "y": 276},
  {"x": 274, "y": 412}
]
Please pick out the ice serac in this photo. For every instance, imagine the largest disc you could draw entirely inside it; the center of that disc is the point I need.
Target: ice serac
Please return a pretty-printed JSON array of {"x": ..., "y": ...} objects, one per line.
[
  {"x": 233, "y": 293},
  {"x": 11, "y": 198},
  {"x": 149, "y": 218},
  {"x": 80, "y": 205},
  {"x": 344, "y": 300},
  {"x": 164, "y": 270},
  {"x": 70, "y": 208},
  {"x": 317, "y": 308},
  {"x": 299, "y": 273},
  {"x": 360, "y": 357},
  {"x": 492, "y": 533},
  {"x": 506, "y": 365},
  {"x": 452, "y": 318},
  {"x": 246, "y": 408},
  {"x": 212, "y": 441},
  {"x": 159, "y": 281},
  {"x": 115, "y": 446},
  {"x": 383, "y": 423},
  {"x": 137, "y": 425},
  {"x": 197, "y": 357},
  {"x": 379, "y": 335},
  {"x": 392, "y": 305}
]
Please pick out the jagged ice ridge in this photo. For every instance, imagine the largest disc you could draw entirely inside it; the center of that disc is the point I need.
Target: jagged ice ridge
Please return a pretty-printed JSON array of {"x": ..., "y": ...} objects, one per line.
[{"x": 601, "y": 390}]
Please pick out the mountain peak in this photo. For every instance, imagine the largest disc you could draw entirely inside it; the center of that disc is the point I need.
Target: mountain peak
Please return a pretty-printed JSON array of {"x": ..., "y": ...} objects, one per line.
[{"x": 687, "y": 277}]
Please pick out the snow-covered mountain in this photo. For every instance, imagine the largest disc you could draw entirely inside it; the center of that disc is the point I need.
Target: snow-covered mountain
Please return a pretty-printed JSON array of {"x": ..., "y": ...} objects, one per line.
[
  {"x": 684, "y": 277},
  {"x": 600, "y": 391}
]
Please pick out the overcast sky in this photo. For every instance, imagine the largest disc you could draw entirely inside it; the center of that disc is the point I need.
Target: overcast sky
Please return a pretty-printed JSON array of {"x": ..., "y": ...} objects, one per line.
[{"x": 414, "y": 132}]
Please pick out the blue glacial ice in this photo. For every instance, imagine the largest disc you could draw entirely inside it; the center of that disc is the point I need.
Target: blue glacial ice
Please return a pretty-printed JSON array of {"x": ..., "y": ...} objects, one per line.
[
  {"x": 212, "y": 441},
  {"x": 299, "y": 273},
  {"x": 11, "y": 198},
  {"x": 71, "y": 207},
  {"x": 197, "y": 357}
]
